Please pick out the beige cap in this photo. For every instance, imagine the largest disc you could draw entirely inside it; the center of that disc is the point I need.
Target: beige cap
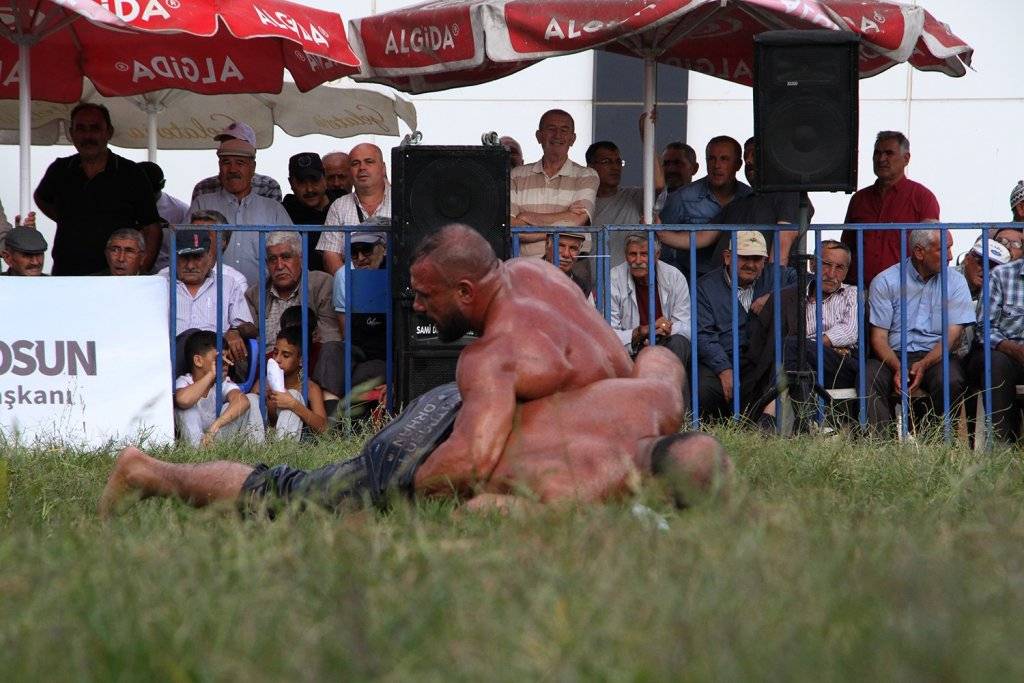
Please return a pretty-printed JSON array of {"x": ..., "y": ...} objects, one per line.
[
  {"x": 750, "y": 243},
  {"x": 577, "y": 235},
  {"x": 233, "y": 147}
]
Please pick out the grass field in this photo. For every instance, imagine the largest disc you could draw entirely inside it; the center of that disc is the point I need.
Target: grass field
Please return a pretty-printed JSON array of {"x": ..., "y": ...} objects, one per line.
[{"x": 832, "y": 560}]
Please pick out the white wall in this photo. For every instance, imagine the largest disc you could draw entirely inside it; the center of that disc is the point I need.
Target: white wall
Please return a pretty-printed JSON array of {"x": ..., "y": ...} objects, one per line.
[
  {"x": 965, "y": 133},
  {"x": 965, "y": 138}
]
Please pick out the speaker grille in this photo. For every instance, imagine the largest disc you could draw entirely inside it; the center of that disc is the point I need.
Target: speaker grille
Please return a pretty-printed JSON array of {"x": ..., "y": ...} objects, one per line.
[{"x": 805, "y": 111}]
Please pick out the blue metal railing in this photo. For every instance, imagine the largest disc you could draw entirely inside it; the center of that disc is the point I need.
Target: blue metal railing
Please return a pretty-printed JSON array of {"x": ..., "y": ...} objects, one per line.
[
  {"x": 355, "y": 302},
  {"x": 602, "y": 294}
]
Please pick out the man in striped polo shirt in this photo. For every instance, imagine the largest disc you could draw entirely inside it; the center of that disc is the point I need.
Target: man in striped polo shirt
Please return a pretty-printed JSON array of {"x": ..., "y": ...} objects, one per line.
[{"x": 554, "y": 190}]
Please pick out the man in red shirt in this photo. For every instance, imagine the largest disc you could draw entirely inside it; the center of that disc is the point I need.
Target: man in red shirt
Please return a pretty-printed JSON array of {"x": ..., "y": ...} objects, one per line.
[{"x": 893, "y": 198}]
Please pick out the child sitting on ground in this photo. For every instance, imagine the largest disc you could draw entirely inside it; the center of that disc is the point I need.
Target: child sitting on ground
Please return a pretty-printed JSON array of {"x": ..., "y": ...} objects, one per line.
[
  {"x": 285, "y": 409},
  {"x": 195, "y": 398}
]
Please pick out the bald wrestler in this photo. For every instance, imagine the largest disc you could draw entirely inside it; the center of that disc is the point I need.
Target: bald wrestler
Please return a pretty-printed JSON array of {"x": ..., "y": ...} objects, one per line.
[{"x": 546, "y": 367}]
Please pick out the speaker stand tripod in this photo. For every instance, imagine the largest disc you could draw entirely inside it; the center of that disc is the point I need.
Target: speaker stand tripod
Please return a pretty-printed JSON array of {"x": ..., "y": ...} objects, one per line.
[{"x": 801, "y": 383}]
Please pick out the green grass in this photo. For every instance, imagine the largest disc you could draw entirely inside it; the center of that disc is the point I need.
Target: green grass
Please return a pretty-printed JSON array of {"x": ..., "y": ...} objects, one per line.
[{"x": 831, "y": 560}]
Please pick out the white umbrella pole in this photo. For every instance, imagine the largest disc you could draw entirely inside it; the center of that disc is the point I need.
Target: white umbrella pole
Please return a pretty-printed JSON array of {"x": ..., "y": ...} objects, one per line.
[
  {"x": 650, "y": 90},
  {"x": 151, "y": 132},
  {"x": 24, "y": 129}
]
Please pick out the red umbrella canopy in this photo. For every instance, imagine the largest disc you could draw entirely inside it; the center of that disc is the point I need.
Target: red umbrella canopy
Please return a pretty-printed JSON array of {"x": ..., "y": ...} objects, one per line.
[
  {"x": 450, "y": 43},
  {"x": 128, "y": 47}
]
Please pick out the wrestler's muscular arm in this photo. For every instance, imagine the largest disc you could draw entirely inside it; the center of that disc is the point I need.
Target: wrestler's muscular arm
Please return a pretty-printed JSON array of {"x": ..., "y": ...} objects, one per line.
[{"x": 487, "y": 381}]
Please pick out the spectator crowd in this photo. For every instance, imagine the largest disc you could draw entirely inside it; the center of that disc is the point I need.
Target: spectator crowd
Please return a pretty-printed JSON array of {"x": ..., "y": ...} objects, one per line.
[{"x": 113, "y": 218}]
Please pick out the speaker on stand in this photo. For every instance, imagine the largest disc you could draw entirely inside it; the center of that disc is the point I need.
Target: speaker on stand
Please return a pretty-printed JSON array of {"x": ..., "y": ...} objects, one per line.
[
  {"x": 805, "y": 122},
  {"x": 432, "y": 187}
]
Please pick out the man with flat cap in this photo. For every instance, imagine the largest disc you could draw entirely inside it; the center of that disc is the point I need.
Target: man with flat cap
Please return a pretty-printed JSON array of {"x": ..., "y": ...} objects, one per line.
[
  {"x": 237, "y": 201},
  {"x": 23, "y": 251},
  {"x": 308, "y": 203}
]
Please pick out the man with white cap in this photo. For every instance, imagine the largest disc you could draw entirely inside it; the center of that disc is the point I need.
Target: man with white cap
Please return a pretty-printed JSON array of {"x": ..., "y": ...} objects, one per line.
[
  {"x": 715, "y": 303},
  {"x": 262, "y": 185},
  {"x": 1017, "y": 202},
  {"x": 237, "y": 201},
  {"x": 972, "y": 268}
]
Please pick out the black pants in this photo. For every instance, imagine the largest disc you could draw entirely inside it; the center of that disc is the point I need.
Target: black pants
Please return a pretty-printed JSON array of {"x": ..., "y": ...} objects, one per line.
[
  {"x": 1007, "y": 373},
  {"x": 713, "y": 401},
  {"x": 386, "y": 465},
  {"x": 883, "y": 399},
  {"x": 840, "y": 369}
]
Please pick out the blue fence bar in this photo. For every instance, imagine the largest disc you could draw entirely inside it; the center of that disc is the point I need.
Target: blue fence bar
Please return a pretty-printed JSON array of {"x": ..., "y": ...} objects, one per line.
[{"x": 602, "y": 294}]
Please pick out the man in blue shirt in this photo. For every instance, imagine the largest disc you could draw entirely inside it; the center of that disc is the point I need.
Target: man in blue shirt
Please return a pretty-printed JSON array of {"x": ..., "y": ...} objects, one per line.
[
  {"x": 701, "y": 201},
  {"x": 924, "y": 327}
]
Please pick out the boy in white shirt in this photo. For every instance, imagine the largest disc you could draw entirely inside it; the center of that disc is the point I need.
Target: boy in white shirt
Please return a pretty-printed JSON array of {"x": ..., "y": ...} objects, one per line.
[{"x": 195, "y": 400}]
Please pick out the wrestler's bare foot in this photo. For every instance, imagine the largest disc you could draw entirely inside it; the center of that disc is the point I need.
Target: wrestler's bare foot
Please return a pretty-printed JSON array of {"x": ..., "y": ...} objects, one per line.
[{"x": 119, "y": 483}]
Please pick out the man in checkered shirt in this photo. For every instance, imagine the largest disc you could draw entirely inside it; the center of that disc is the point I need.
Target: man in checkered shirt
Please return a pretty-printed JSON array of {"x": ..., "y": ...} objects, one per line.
[{"x": 1006, "y": 338}]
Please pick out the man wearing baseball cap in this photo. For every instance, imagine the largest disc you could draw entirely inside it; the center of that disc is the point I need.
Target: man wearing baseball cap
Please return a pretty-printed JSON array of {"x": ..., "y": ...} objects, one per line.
[
  {"x": 308, "y": 203},
  {"x": 23, "y": 251},
  {"x": 237, "y": 201},
  {"x": 717, "y": 295},
  {"x": 261, "y": 184},
  {"x": 972, "y": 268},
  {"x": 369, "y": 340}
]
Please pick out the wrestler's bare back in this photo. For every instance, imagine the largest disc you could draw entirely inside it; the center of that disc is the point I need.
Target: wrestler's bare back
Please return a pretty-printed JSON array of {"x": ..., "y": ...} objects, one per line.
[
  {"x": 592, "y": 443},
  {"x": 554, "y": 336}
]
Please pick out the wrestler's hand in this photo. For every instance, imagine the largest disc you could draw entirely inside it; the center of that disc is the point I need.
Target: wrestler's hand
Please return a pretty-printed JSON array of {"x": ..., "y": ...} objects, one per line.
[{"x": 725, "y": 377}]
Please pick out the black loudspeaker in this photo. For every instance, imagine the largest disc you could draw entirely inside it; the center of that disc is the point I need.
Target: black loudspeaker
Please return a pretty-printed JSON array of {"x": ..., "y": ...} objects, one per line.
[
  {"x": 422, "y": 361},
  {"x": 805, "y": 110},
  {"x": 433, "y": 186},
  {"x": 437, "y": 185}
]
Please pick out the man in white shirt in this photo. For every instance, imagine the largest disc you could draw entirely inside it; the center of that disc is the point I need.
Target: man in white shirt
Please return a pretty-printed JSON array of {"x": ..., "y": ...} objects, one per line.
[{"x": 371, "y": 199}]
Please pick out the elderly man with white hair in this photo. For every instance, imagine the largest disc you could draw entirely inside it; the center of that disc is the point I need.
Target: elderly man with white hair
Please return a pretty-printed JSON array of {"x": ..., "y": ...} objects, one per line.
[{"x": 924, "y": 302}]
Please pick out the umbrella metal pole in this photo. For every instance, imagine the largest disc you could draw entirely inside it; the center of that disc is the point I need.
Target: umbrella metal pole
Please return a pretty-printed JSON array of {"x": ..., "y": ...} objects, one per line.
[
  {"x": 650, "y": 88},
  {"x": 24, "y": 127},
  {"x": 151, "y": 137}
]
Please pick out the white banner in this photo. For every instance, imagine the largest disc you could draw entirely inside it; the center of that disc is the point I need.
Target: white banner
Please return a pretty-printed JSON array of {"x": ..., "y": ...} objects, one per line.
[{"x": 85, "y": 360}]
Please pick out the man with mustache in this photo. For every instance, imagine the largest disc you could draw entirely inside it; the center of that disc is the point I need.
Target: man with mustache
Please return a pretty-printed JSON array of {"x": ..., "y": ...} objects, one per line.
[
  {"x": 839, "y": 333},
  {"x": 716, "y": 301},
  {"x": 701, "y": 201},
  {"x": 569, "y": 245},
  {"x": 309, "y": 202},
  {"x": 240, "y": 205},
  {"x": 124, "y": 253},
  {"x": 93, "y": 193},
  {"x": 197, "y": 294},
  {"x": 338, "y": 174},
  {"x": 371, "y": 201},
  {"x": 262, "y": 185},
  {"x": 893, "y": 198},
  {"x": 23, "y": 251},
  {"x": 544, "y": 360}
]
